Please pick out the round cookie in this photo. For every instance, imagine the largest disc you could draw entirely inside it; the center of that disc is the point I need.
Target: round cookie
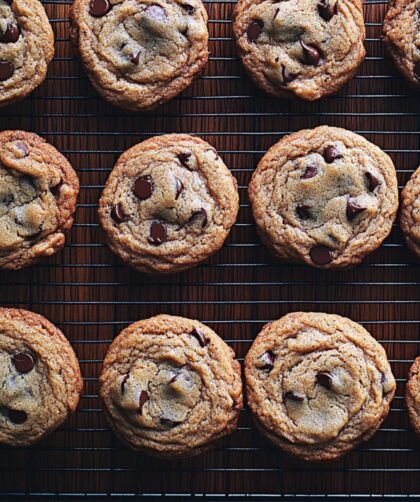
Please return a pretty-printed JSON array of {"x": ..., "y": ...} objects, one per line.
[
  {"x": 171, "y": 386},
  {"x": 140, "y": 53},
  {"x": 324, "y": 196},
  {"x": 401, "y": 35},
  {"x": 306, "y": 48},
  {"x": 412, "y": 395},
  {"x": 39, "y": 374},
  {"x": 38, "y": 193},
  {"x": 26, "y": 48},
  {"x": 317, "y": 384},
  {"x": 410, "y": 212},
  {"x": 168, "y": 204}
]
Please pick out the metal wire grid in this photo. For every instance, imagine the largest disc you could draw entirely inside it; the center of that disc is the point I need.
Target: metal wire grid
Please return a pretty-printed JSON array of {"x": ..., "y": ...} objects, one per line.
[{"x": 75, "y": 288}]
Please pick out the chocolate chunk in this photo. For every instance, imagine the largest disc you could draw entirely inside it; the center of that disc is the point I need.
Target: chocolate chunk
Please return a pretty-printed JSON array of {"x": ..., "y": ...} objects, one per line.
[
  {"x": 331, "y": 153},
  {"x": 57, "y": 188},
  {"x": 324, "y": 379},
  {"x": 184, "y": 158},
  {"x": 303, "y": 212},
  {"x": 293, "y": 397},
  {"x": 311, "y": 55},
  {"x": 254, "y": 30},
  {"x": 23, "y": 148},
  {"x": 11, "y": 35},
  {"x": 117, "y": 213},
  {"x": 268, "y": 359},
  {"x": 201, "y": 214},
  {"x": 179, "y": 187},
  {"x": 416, "y": 70},
  {"x": 286, "y": 75},
  {"x": 124, "y": 381},
  {"x": 6, "y": 70},
  {"x": 200, "y": 336},
  {"x": 23, "y": 362},
  {"x": 310, "y": 172},
  {"x": 17, "y": 416},
  {"x": 143, "y": 187},
  {"x": 144, "y": 397},
  {"x": 156, "y": 12},
  {"x": 320, "y": 255},
  {"x": 135, "y": 58},
  {"x": 158, "y": 233},
  {"x": 327, "y": 9},
  {"x": 169, "y": 422},
  {"x": 372, "y": 180},
  {"x": 352, "y": 209},
  {"x": 188, "y": 8},
  {"x": 98, "y": 8},
  {"x": 9, "y": 1}
]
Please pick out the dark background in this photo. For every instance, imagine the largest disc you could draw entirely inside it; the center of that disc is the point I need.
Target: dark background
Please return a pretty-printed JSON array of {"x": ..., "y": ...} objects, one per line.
[{"x": 91, "y": 296}]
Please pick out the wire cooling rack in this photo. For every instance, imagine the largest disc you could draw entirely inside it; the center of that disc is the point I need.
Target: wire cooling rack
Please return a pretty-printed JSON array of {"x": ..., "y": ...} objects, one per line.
[{"x": 91, "y": 296}]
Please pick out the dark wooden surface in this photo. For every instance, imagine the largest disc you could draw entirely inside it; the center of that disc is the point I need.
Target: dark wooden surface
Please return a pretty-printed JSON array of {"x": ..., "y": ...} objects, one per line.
[{"x": 91, "y": 296}]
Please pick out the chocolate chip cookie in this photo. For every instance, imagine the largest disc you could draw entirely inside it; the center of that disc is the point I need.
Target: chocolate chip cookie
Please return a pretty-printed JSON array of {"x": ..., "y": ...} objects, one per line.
[
  {"x": 26, "y": 48},
  {"x": 401, "y": 35},
  {"x": 324, "y": 196},
  {"x": 171, "y": 386},
  {"x": 306, "y": 48},
  {"x": 140, "y": 54},
  {"x": 39, "y": 374},
  {"x": 38, "y": 193},
  {"x": 412, "y": 395},
  {"x": 410, "y": 212},
  {"x": 168, "y": 204},
  {"x": 317, "y": 384}
]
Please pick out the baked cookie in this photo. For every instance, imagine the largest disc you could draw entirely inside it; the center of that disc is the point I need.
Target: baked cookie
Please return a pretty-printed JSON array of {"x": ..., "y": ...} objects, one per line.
[
  {"x": 26, "y": 48},
  {"x": 139, "y": 54},
  {"x": 412, "y": 395},
  {"x": 39, "y": 374},
  {"x": 317, "y": 384},
  {"x": 171, "y": 386},
  {"x": 306, "y": 48},
  {"x": 410, "y": 212},
  {"x": 38, "y": 192},
  {"x": 168, "y": 204},
  {"x": 324, "y": 196},
  {"x": 401, "y": 35}
]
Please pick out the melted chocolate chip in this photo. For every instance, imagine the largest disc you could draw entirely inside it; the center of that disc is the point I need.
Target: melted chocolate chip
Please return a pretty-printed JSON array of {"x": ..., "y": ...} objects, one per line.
[
  {"x": 200, "y": 336},
  {"x": 268, "y": 359},
  {"x": 143, "y": 187},
  {"x": 189, "y": 9},
  {"x": 326, "y": 9},
  {"x": 124, "y": 381},
  {"x": 320, "y": 255},
  {"x": 23, "y": 362},
  {"x": 156, "y": 12},
  {"x": 6, "y": 70},
  {"x": 184, "y": 158},
  {"x": 179, "y": 187},
  {"x": 158, "y": 233},
  {"x": 57, "y": 188},
  {"x": 135, "y": 58},
  {"x": 168, "y": 422},
  {"x": 201, "y": 214},
  {"x": 310, "y": 172},
  {"x": 311, "y": 55},
  {"x": 353, "y": 209},
  {"x": 372, "y": 180},
  {"x": 286, "y": 75},
  {"x": 416, "y": 70},
  {"x": 99, "y": 8},
  {"x": 303, "y": 212},
  {"x": 324, "y": 379},
  {"x": 254, "y": 30},
  {"x": 144, "y": 397},
  {"x": 23, "y": 148},
  {"x": 293, "y": 397},
  {"x": 11, "y": 35},
  {"x": 17, "y": 416},
  {"x": 330, "y": 154},
  {"x": 117, "y": 213}
]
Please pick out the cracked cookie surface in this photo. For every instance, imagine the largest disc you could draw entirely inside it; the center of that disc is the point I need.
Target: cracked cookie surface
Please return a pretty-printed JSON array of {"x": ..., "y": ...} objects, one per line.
[
  {"x": 324, "y": 196},
  {"x": 26, "y": 48},
  {"x": 306, "y": 48},
  {"x": 401, "y": 35},
  {"x": 38, "y": 193},
  {"x": 410, "y": 212},
  {"x": 317, "y": 384},
  {"x": 171, "y": 386},
  {"x": 412, "y": 395},
  {"x": 40, "y": 380},
  {"x": 140, "y": 53},
  {"x": 168, "y": 204}
]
